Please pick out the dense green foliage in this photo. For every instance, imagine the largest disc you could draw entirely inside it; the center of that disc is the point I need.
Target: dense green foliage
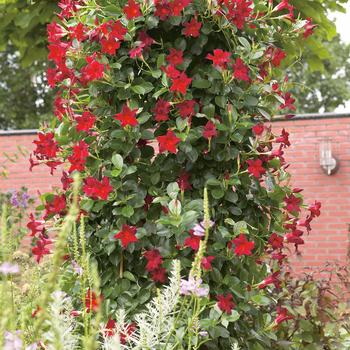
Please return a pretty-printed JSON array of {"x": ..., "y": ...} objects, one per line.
[
  {"x": 151, "y": 109},
  {"x": 23, "y": 26}
]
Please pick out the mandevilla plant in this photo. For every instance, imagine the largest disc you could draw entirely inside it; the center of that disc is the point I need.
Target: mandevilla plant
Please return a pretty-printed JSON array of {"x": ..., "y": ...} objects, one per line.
[{"x": 158, "y": 100}]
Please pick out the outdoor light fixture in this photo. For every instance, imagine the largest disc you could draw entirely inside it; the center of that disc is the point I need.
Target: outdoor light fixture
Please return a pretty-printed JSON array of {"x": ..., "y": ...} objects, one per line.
[{"x": 328, "y": 162}]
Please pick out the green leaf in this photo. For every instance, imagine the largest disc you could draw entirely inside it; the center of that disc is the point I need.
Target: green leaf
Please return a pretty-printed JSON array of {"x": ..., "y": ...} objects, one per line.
[
  {"x": 261, "y": 300},
  {"x": 143, "y": 88},
  {"x": 127, "y": 211},
  {"x": 209, "y": 110},
  {"x": 173, "y": 190},
  {"x": 201, "y": 83},
  {"x": 175, "y": 207},
  {"x": 245, "y": 43},
  {"x": 117, "y": 161}
]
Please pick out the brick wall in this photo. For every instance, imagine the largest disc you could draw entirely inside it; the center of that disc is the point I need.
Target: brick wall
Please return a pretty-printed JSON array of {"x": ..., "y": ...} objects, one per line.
[{"x": 329, "y": 239}]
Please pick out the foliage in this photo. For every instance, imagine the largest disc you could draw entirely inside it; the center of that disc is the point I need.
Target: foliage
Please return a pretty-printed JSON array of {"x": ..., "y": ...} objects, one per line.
[
  {"x": 23, "y": 24},
  {"x": 13, "y": 221},
  {"x": 25, "y": 99},
  {"x": 23, "y": 40},
  {"x": 156, "y": 103},
  {"x": 323, "y": 91},
  {"x": 46, "y": 317},
  {"x": 321, "y": 313}
]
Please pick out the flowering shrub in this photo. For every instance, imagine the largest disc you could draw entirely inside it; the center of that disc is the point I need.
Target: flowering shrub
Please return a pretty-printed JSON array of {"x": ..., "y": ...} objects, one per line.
[{"x": 158, "y": 100}]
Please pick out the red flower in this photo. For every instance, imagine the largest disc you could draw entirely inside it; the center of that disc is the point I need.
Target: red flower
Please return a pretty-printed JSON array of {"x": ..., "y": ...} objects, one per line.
[
  {"x": 161, "y": 110},
  {"x": 57, "y": 52},
  {"x": 171, "y": 71},
  {"x": 35, "y": 226},
  {"x": 242, "y": 245},
  {"x": 181, "y": 83},
  {"x": 309, "y": 28},
  {"x": 288, "y": 102},
  {"x": 272, "y": 279},
  {"x": 97, "y": 189},
  {"x": 46, "y": 146},
  {"x": 168, "y": 142},
  {"x": 145, "y": 39},
  {"x": 258, "y": 129},
  {"x": 126, "y": 235},
  {"x": 192, "y": 241},
  {"x": 136, "y": 51},
  {"x": 209, "y": 130},
  {"x": 294, "y": 238},
  {"x": 186, "y": 108},
  {"x": 77, "y": 32},
  {"x": 177, "y": 6},
  {"x": 175, "y": 57},
  {"x": 132, "y": 10},
  {"x": 282, "y": 315},
  {"x": 238, "y": 11},
  {"x": 276, "y": 241},
  {"x": 118, "y": 31},
  {"x": 284, "y": 4},
  {"x": 40, "y": 249},
  {"x": 56, "y": 206},
  {"x": 192, "y": 28},
  {"x": 159, "y": 275},
  {"x": 54, "y": 32},
  {"x": 240, "y": 70},
  {"x": 225, "y": 303},
  {"x": 78, "y": 157},
  {"x": 292, "y": 203},
  {"x": 92, "y": 302},
  {"x": 183, "y": 181},
  {"x": 109, "y": 329},
  {"x": 110, "y": 45},
  {"x": 220, "y": 58},
  {"x": 66, "y": 180},
  {"x": 162, "y": 9},
  {"x": 127, "y": 116},
  {"x": 278, "y": 256},
  {"x": 85, "y": 122},
  {"x": 92, "y": 71},
  {"x": 206, "y": 262},
  {"x": 154, "y": 259},
  {"x": 278, "y": 57},
  {"x": 283, "y": 139},
  {"x": 315, "y": 209},
  {"x": 255, "y": 168}
]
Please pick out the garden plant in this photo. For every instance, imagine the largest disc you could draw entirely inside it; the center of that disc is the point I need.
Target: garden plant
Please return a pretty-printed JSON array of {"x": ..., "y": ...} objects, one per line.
[{"x": 176, "y": 237}]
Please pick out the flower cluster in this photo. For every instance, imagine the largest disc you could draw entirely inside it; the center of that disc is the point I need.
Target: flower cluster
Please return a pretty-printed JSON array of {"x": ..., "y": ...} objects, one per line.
[{"x": 156, "y": 101}]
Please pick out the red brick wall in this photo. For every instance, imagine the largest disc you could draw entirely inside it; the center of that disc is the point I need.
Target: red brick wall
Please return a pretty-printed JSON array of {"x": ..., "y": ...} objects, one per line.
[
  {"x": 17, "y": 147},
  {"x": 329, "y": 239}
]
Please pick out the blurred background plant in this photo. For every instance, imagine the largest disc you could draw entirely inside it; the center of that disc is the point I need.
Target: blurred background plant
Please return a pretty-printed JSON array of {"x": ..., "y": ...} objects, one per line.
[
  {"x": 326, "y": 89},
  {"x": 318, "y": 301},
  {"x": 14, "y": 206}
]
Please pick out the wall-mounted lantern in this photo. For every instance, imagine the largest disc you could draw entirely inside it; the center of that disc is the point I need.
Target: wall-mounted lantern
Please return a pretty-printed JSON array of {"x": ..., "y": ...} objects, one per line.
[{"x": 328, "y": 162}]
